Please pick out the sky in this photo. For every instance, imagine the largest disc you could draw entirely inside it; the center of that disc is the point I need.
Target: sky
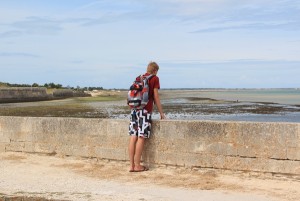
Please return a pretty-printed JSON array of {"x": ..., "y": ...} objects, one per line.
[{"x": 107, "y": 43}]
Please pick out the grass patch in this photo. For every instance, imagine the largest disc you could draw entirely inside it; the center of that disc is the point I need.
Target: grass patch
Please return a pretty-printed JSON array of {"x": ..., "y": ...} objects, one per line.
[
  {"x": 60, "y": 110},
  {"x": 50, "y": 91},
  {"x": 72, "y": 107},
  {"x": 99, "y": 98}
]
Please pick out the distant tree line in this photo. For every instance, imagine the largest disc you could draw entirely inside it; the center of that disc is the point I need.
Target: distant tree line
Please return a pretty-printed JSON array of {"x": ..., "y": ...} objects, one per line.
[
  {"x": 5, "y": 84},
  {"x": 51, "y": 85}
]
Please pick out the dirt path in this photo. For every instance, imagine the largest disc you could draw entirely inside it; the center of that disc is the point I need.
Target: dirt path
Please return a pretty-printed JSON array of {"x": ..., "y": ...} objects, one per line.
[{"x": 59, "y": 178}]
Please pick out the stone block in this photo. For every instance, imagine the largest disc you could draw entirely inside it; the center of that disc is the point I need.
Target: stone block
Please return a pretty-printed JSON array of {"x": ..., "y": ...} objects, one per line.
[
  {"x": 279, "y": 138},
  {"x": 81, "y": 126},
  {"x": 19, "y": 129},
  {"x": 230, "y": 133},
  {"x": 278, "y": 152},
  {"x": 168, "y": 145},
  {"x": 64, "y": 150},
  {"x": 270, "y": 151},
  {"x": 262, "y": 165},
  {"x": 167, "y": 158},
  {"x": 4, "y": 138},
  {"x": 114, "y": 154},
  {"x": 15, "y": 147},
  {"x": 29, "y": 147},
  {"x": 216, "y": 148},
  {"x": 199, "y": 160},
  {"x": 9, "y": 125},
  {"x": 173, "y": 129},
  {"x": 117, "y": 127},
  {"x": 40, "y": 138},
  {"x": 2, "y": 147},
  {"x": 45, "y": 125},
  {"x": 148, "y": 156},
  {"x": 292, "y": 167},
  {"x": 197, "y": 147},
  {"x": 293, "y": 153},
  {"x": 75, "y": 140},
  {"x": 280, "y": 166},
  {"x": 96, "y": 127},
  {"x": 83, "y": 151},
  {"x": 218, "y": 161},
  {"x": 150, "y": 144},
  {"x": 116, "y": 142},
  {"x": 204, "y": 160},
  {"x": 183, "y": 159},
  {"x": 204, "y": 130},
  {"x": 44, "y": 148},
  {"x": 92, "y": 141},
  {"x": 284, "y": 166},
  {"x": 155, "y": 129},
  {"x": 263, "y": 140},
  {"x": 246, "y": 151},
  {"x": 232, "y": 163},
  {"x": 298, "y": 136},
  {"x": 244, "y": 164},
  {"x": 293, "y": 135},
  {"x": 220, "y": 148},
  {"x": 254, "y": 134}
]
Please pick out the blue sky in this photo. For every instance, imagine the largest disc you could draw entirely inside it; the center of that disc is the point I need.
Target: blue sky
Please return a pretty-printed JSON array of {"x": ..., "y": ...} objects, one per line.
[{"x": 197, "y": 43}]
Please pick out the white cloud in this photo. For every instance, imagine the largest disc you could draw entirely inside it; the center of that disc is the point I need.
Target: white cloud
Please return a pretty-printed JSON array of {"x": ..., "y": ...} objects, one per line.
[
  {"x": 86, "y": 40},
  {"x": 9, "y": 34},
  {"x": 37, "y": 25},
  {"x": 17, "y": 54}
]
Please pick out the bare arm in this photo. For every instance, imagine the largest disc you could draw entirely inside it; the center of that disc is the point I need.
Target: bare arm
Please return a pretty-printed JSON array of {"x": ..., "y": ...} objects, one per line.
[{"x": 158, "y": 104}]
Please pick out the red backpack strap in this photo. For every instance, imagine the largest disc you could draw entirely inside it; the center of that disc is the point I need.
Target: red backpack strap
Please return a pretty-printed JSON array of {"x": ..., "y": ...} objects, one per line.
[{"x": 138, "y": 78}]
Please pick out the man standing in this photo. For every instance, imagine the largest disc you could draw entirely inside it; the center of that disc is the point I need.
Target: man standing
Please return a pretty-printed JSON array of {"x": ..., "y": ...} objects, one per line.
[{"x": 140, "y": 121}]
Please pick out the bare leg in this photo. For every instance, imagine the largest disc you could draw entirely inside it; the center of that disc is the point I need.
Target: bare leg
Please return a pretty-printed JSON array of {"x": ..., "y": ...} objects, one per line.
[
  {"x": 138, "y": 152},
  {"x": 132, "y": 150}
]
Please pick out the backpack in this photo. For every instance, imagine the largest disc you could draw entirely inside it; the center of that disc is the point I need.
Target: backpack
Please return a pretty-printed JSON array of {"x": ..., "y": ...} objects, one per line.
[{"x": 138, "y": 94}]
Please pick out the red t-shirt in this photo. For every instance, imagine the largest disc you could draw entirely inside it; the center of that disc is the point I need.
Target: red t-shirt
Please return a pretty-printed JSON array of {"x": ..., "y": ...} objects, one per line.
[{"x": 153, "y": 83}]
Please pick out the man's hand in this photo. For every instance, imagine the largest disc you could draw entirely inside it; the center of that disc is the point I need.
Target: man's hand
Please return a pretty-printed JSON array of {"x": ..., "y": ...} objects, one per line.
[
  {"x": 162, "y": 116},
  {"x": 158, "y": 104}
]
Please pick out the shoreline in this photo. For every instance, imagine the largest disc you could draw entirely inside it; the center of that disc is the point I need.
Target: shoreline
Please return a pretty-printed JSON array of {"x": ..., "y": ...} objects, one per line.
[{"x": 179, "y": 105}]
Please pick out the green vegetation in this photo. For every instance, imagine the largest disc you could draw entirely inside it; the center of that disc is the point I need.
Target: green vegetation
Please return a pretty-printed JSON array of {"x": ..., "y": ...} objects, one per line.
[
  {"x": 50, "y": 85},
  {"x": 70, "y": 107},
  {"x": 100, "y": 98},
  {"x": 5, "y": 84},
  {"x": 59, "y": 110},
  {"x": 76, "y": 106}
]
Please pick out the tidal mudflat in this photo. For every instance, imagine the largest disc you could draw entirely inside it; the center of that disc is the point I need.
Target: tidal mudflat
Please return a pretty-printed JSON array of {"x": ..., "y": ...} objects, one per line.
[{"x": 228, "y": 105}]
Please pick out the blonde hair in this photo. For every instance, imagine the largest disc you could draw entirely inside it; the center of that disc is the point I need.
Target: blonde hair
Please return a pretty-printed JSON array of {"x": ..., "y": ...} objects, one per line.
[{"x": 152, "y": 66}]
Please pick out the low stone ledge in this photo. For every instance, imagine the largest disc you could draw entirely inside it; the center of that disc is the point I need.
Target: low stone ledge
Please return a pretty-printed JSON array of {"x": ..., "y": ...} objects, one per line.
[{"x": 245, "y": 146}]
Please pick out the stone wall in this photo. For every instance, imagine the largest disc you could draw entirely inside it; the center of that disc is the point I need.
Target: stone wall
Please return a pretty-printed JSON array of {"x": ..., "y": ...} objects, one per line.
[
  {"x": 246, "y": 146},
  {"x": 24, "y": 94},
  {"x": 20, "y": 94}
]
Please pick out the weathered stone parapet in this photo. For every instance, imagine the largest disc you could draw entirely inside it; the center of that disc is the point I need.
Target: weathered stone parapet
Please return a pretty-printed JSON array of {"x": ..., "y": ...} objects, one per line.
[
  {"x": 23, "y": 94},
  {"x": 20, "y": 94},
  {"x": 247, "y": 146}
]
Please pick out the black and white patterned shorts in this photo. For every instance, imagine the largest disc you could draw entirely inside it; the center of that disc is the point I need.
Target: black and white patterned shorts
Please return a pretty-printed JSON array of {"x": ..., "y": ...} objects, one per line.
[{"x": 140, "y": 123}]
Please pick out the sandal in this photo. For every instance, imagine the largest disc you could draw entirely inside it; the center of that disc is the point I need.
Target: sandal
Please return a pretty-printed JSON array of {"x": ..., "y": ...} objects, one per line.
[{"x": 142, "y": 170}]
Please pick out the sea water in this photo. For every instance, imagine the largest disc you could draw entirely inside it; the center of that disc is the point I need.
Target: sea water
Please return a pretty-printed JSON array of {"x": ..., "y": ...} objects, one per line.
[
  {"x": 286, "y": 99},
  {"x": 281, "y": 96}
]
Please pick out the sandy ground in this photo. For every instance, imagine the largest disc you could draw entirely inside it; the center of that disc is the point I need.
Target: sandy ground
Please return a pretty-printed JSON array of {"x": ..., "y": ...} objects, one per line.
[{"x": 66, "y": 178}]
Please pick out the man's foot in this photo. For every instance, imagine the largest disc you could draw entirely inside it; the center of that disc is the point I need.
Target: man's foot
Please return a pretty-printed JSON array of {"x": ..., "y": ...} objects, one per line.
[
  {"x": 141, "y": 169},
  {"x": 131, "y": 169}
]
